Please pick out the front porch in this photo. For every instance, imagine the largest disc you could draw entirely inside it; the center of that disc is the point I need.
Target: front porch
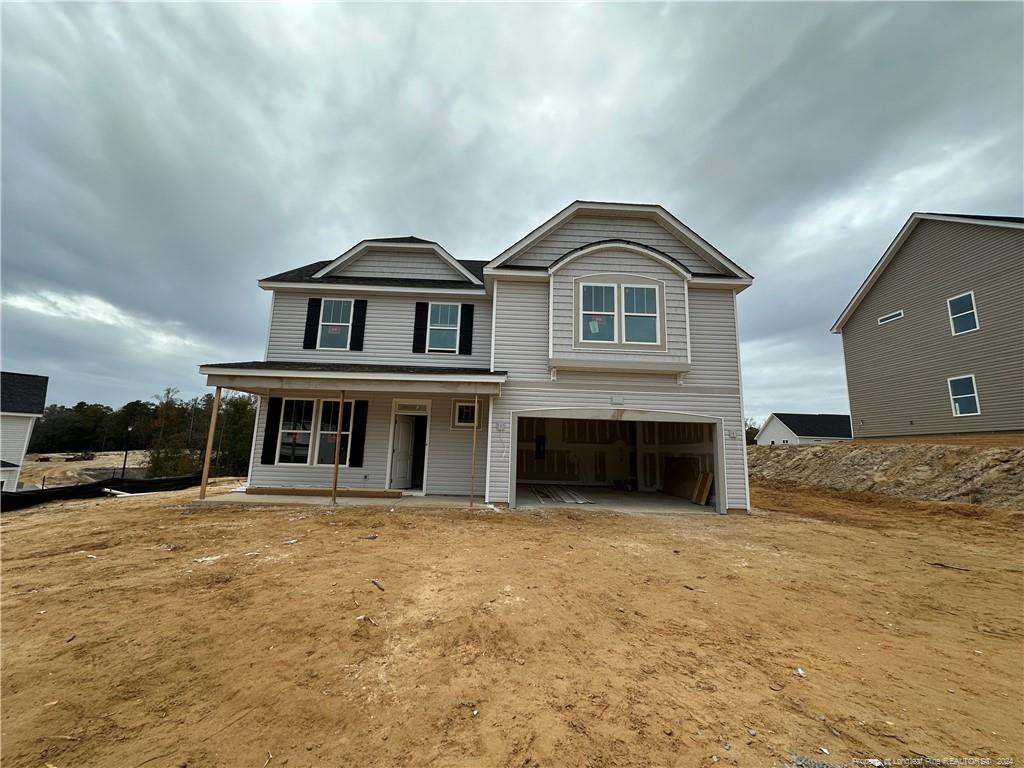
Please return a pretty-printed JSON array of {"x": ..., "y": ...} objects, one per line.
[{"x": 403, "y": 430}]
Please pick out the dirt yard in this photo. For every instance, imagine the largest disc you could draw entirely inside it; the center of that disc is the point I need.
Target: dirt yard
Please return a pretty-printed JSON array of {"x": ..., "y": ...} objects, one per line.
[
  {"x": 140, "y": 633},
  {"x": 59, "y": 471}
]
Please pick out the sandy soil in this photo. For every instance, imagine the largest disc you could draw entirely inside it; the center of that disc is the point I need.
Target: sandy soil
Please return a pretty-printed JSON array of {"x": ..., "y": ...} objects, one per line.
[
  {"x": 57, "y": 471},
  {"x": 989, "y": 475},
  {"x": 139, "y": 632}
]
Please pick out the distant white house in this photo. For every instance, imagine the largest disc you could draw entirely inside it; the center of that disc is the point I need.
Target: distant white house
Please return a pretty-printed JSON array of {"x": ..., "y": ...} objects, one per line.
[
  {"x": 22, "y": 399},
  {"x": 803, "y": 428}
]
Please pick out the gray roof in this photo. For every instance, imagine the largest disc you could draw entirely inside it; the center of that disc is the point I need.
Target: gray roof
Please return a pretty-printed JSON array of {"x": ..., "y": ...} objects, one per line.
[
  {"x": 305, "y": 274},
  {"x": 22, "y": 392},
  {"x": 1010, "y": 219},
  {"x": 817, "y": 424},
  {"x": 406, "y": 239},
  {"x": 617, "y": 240},
  {"x": 4, "y": 464},
  {"x": 277, "y": 365}
]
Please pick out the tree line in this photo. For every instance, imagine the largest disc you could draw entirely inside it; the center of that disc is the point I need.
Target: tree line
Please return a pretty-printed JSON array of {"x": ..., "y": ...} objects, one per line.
[{"x": 171, "y": 430}]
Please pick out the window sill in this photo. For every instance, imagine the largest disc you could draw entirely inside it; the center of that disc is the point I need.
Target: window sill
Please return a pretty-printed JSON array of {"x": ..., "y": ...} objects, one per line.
[{"x": 592, "y": 364}]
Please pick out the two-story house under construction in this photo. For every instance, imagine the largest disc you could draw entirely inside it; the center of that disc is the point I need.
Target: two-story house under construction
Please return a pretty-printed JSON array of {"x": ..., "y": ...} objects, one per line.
[{"x": 599, "y": 350}]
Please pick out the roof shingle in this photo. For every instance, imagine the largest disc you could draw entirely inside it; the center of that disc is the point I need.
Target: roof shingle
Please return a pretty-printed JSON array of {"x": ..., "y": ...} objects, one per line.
[
  {"x": 817, "y": 424},
  {"x": 282, "y": 365},
  {"x": 22, "y": 392}
]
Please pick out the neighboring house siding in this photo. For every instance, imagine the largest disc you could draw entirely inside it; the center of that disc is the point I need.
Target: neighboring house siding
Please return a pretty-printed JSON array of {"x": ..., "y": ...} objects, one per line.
[
  {"x": 399, "y": 264},
  {"x": 777, "y": 432},
  {"x": 618, "y": 265},
  {"x": 14, "y": 437},
  {"x": 581, "y": 230},
  {"x": 388, "y": 336},
  {"x": 448, "y": 462},
  {"x": 897, "y": 372}
]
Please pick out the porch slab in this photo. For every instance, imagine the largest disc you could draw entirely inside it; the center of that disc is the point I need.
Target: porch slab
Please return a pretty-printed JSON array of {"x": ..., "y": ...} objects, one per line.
[{"x": 256, "y": 499}]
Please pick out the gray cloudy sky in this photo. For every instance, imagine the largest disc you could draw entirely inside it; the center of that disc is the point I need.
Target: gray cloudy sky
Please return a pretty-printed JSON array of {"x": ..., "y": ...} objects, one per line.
[{"x": 159, "y": 159}]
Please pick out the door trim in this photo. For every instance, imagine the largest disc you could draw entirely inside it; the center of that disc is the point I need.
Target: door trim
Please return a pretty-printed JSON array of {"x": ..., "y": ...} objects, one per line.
[{"x": 395, "y": 404}]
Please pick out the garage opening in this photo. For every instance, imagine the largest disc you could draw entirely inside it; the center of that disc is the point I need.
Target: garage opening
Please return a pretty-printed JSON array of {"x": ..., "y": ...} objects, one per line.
[{"x": 630, "y": 464}]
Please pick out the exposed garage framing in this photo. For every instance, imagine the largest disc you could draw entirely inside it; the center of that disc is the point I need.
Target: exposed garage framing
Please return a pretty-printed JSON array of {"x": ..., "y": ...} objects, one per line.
[{"x": 624, "y": 414}]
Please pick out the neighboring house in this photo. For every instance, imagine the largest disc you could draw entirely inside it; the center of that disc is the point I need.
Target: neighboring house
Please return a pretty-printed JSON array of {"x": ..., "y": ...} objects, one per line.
[
  {"x": 598, "y": 350},
  {"x": 934, "y": 338},
  {"x": 22, "y": 399},
  {"x": 804, "y": 428}
]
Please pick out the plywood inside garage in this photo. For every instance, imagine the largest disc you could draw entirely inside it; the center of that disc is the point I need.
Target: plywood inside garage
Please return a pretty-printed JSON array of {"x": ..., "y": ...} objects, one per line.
[{"x": 639, "y": 455}]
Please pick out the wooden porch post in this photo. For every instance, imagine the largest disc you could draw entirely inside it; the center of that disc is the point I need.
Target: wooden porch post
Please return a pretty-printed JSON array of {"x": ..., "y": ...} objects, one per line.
[
  {"x": 337, "y": 447},
  {"x": 209, "y": 443},
  {"x": 472, "y": 460}
]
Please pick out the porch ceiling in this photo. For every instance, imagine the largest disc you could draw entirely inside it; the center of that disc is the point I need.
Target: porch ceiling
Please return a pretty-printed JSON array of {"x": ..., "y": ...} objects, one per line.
[{"x": 267, "y": 377}]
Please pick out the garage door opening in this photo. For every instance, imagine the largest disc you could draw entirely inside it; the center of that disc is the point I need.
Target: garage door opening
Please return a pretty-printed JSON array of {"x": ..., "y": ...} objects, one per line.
[{"x": 629, "y": 464}]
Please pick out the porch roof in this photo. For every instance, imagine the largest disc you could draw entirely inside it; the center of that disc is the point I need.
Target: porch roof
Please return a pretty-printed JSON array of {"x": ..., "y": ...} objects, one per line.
[{"x": 265, "y": 377}]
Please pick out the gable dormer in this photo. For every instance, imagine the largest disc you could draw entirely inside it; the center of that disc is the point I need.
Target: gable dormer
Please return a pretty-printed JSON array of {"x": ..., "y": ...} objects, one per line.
[
  {"x": 584, "y": 223},
  {"x": 409, "y": 257},
  {"x": 620, "y": 282}
]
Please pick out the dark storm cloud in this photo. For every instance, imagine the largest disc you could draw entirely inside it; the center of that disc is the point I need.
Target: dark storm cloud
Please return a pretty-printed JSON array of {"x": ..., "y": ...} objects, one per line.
[{"x": 158, "y": 159}]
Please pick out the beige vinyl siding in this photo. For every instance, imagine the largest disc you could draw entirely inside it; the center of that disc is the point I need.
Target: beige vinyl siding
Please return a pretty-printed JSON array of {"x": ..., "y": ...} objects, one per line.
[
  {"x": 896, "y": 373},
  {"x": 520, "y": 347},
  {"x": 388, "y": 336},
  {"x": 422, "y": 266},
  {"x": 619, "y": 265},
  {"x": 448, "y": 460},
  {"x": 580, "y": 230},
  {"x": 713, "y": 342},
  {"x": 521, "y": 330}
]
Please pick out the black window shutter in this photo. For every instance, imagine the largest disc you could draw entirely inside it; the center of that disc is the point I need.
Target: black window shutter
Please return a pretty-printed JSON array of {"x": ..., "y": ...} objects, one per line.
[
  {"x": 312, "y": 324},
  {"x": 358, "y": 439},
  {"x": 466, "y": 330},
  {"x": 270, "y": 431},
  {"x": 355, "y": 339},
  {"x": 419, "y": 332}
]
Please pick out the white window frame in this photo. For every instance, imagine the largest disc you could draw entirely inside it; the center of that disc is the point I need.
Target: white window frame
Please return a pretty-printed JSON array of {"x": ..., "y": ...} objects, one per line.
[
  {"x": 952, "y": 398},
  {"x": 281, "y": 431},
  {"x": 614, "y": 313},
  {"x": 456, "y": 424},
  {"x": 431, "y": 326},
  {"x": 973, "y": 310},
  {"x": 341, "y": 423},
  {"x": 320, "y": 328},
  {"x": 891, "y": 317},
  {"x": 656, "y": 315}
]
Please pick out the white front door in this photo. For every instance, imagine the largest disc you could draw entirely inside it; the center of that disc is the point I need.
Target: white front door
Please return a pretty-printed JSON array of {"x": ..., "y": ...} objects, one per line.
[{"x": 401, "y": 454}]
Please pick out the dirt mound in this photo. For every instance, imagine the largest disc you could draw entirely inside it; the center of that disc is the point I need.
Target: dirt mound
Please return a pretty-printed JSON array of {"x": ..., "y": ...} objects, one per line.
[{"x": 993, "y": 476}]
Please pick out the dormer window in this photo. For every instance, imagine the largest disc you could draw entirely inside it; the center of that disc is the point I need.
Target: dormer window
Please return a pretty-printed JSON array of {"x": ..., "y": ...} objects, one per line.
[
  {"x": 599, "y": 317},
  {"x": 640, "y": 314},
  {"x": 335, "y": 323},
  {"x": 620, "y": 313},
  {"x": 443, "y": 331}
]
